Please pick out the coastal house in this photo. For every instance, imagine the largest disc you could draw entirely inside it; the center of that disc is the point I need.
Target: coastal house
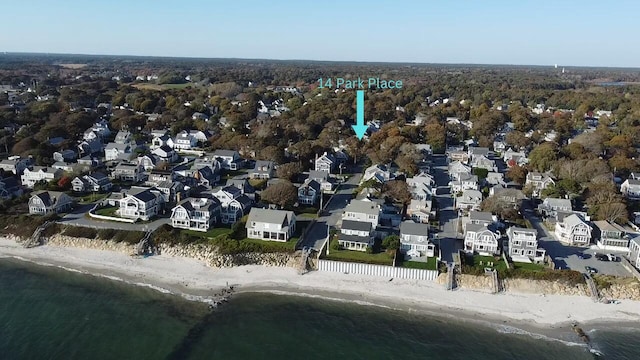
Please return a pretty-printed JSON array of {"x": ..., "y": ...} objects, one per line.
[
  {"x": 420, "y": 186},
  {"x": 630, "y": 188},
  {"x": 264, "y": 169},
  {"x": 148, "y": 162},
  {"x": 65, "y": 155},
  {"x": 483, "y": 162},
  {"x": 379, "y": 173},
  {"x": 9, "y": 188},
  {"x": 15, "y": 164},
  {"x": 233, "y": 204},
  {"x": 327, "y": 163},
  {"x": 229, "y": 159},
  {"x": 49, "y": 202},
  {"x": 184, "y": 141},
  {"x": 573, "y": 231},
  {"x": 523, "y": 245},
  {"x": 140, "y": 203},
  {"x": 356, "y": 235},
  {"x": 309, "y": 192},
  {"x": 634, "y": 252},
  {"x": 458, "y": 156},
  {"x": 31, "y": 176},
  {"x": 90, "y": 147},
  {"x": 611, "y": 236},
  {"x": 117, "y": 151},
  {"x": 414, "y": 241},
  {"x": 538, "y": 182},
  {"x": 157, "y": 176},
  {"x": 99, "y": 130},
  {"x": 271, "y": 225},
  {"x": 198, "y": 214},
  {"x": 123, "y": 137},
  {"x": 165, "y": 153},
  {"x": 508, "y": 196},
  {"x": 94, "y": 182},
  {"x": 495, "y": 178},
  {"x": 464, "y": 182},
  {"x": 456, "y": 169},
  {"x": 206, "y": 177},
  {"x": 362, "y": 210},
  {"x": 469, "y": 200},
  {"x": 128, "y": 172},
  {"x": 481, "y": 239},
  {"x": 513, "y": 158},
  {"x": 207, "y": 161},
  {"x": 551, "y": 206},
  {"x": 483, "y": 218},
  {"x": 475, "y": 151},
  {"x": 161, "y": 140},
  {"x": 322, "y": 178},
  {"x": 420, "y": 211}
]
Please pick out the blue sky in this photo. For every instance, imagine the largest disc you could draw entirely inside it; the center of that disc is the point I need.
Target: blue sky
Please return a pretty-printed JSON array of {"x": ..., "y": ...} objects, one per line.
[{"x": 591, "y": 33}]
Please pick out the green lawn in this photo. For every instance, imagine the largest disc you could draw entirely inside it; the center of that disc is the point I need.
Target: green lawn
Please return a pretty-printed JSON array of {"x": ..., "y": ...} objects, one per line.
[
  {"x": 482, "y": 261},
  {"x": 361, "y": 257},
  {"x": 212, "y": 233},
  {"x": 273, "y": 246},
  {"x": 431, "y": 264},
  {"x": 527, "y": 266},
  {"x": 258, "y": 184},
  {"x": 108, "y": 211},
  {"x": 91, "y": 198}
]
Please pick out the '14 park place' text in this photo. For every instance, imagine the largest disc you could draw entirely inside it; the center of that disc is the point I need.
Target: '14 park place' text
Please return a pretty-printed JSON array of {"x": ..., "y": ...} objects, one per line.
[{"x": 361, "y": 84}]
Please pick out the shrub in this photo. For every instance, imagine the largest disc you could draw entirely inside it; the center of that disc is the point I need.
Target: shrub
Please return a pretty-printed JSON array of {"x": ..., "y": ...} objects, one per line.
[
  {"x": 335, "y": 245},
  {"x": 80, "y": 232}
]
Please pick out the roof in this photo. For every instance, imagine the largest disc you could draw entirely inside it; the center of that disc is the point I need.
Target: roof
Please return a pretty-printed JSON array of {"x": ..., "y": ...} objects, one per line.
[
  {"x": 607, "y": 226},
  {"x": 225, "y": 153},
  {"x": 120, "y": 147},
  {"x": 564, "y": 203},
  {"x": 356, "y": 225},
  {"x": 354, "y": 238},
  {"x": 513, "y": 229},
  {"x": 313, "y": 174},
  {"x": 143, "y": 194},
  {"x": 263, "y": 166},
  {"x": 49, "y": 198},
  {"x": 97, "y": 176},
  {"x": 312, "y": 184},
  {"x": 269, "y": 216},
  {"x": 412, "y": 228},
  {"x": 191, "y": 204},
  {"x": 363, "y": 206},
  {"x": 481, "y": 216},
  {"x": 573, "y": 220},
  {"x": 479, "y": 150},
  {"x": 633, "y": 182}
]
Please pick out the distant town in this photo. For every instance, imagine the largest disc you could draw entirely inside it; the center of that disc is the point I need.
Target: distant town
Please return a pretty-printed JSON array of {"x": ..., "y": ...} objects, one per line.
[{"x": 504, "y": 172}]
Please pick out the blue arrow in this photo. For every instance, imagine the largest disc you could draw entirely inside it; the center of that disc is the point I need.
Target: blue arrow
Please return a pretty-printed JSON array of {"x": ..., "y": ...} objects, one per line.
[{"x": 359, "y": 127}]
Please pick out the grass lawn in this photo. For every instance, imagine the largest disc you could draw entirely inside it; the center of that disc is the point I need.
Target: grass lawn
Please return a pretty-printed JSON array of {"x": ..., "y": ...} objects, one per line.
[
  {"x": 273, "y": 246},
  {"x": 212, "y": 233},
  {"x": 361, "y": 257},
  {"x": 527, "y": 266},
  {"x": 91, "y": 198},
  {"x": 258, "y": 184},
  {"x": 431, "y": 264},
  {"x": 480, "y": 261},
  {"x": 231, "y": 173},
  {"x": 108, "y": 211}
]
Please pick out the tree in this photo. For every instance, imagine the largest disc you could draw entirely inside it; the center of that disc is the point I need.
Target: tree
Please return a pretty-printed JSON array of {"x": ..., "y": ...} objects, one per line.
[
  {"x": 64, "y": 183},
  {"x": 518, "y": 174},
  {"x": 543, "y": 156},
  {"x": 289, "y": 170},
  {"x": 436, "y": 135},
  {"x": 283, "y": 193},
  {"x": 273, "y": 153},
  {"x": 391, "y": 242},
  {"x": 398, "y": 191},
  {"x": 613, "y": 212}
]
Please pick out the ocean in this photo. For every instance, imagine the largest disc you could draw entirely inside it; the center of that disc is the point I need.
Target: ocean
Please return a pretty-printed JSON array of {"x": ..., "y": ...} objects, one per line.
[{"x": 50, "y": 313}]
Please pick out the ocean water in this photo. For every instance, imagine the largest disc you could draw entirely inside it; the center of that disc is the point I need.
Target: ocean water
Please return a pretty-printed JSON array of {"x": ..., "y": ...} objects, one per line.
[{"x": 48, "y": 313}]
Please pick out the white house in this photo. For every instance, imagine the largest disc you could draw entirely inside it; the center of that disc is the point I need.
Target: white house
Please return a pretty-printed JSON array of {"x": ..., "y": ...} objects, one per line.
[
  {"x": 456, "y": 169},
  {"x": 362, "y": 210},
  {"x": 538, "y": 182},
  {"x": 264, "y": 169},
  {"x": 611, "y": 236},
  {"x": 271, "y": 225},
  {"x": 551, "y": 206},
  {"x": 355, "y": 235},
  {"x": 379, "y": 173},
  {"x": 198, "y": 214},
  {"x": 165, "y": 153},
  {"x": 161, "y": 140},
  {"x": 322, "y": 178},
  {"x": 464, "y": 182},
  {"x": 184, "y": 141},
  {"x": 15, "y": 164},
  {"x": 483, "y": 162},
  {"x": 414, "y": 241},
  {"x": 326, "y": 162},
  {"x": 37, "y": 174},
  {"x": 523, "y": 245},
  {"x": 229, "y": 159},
  {"x": 420, "y": 186},
  {"x": 140, "y": 203},
  {"x": 420, "y": 211},
  {"x": 95, "y": 182},
  {"x": 481, "y": 239},
  {"x": 147, "y": 162},
  {"x": 99, "y": 130},
  {"x": 128, "y": 172},
  {"x": 65, "y": 155},
  {"x": 573, "y": 231},
  {"x": 116, "y": 151},
  {"x": 233, "y": 204},
  {"x": 634, "y": 252},
  {"x": 123, "y": 137},
  {"x": 469, "y": 200},
  {"x": 49, "y": 202},
  {"x": 309, "y": 192},
  {"x": 630, "y": 188}
]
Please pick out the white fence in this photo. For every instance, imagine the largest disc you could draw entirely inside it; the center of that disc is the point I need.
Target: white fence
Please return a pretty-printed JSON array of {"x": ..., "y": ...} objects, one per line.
[{"x": 377, "y": 270}]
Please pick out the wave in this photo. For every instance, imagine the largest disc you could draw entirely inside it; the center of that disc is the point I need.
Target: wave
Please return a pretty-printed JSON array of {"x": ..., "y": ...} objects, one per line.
[{"x": 508, "y": 329}]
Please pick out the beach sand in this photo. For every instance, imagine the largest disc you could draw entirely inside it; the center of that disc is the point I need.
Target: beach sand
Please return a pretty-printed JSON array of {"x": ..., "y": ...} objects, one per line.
[{"x": 547, "y": 314}]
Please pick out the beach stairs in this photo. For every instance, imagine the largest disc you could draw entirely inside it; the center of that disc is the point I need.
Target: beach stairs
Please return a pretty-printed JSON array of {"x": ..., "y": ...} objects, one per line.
[
  {"x": 144, "y": 245},
  {"x": 451, "y": 276},
  {"x": 591, "y": 285},
  {"x": 304, "y": 262},
  {"x": 36, "y": 237},
  {"x": 495, "y": 282}
]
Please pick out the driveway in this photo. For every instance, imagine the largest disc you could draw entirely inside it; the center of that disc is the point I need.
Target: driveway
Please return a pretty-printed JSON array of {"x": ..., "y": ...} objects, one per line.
[{"x": 78, "y": 217}]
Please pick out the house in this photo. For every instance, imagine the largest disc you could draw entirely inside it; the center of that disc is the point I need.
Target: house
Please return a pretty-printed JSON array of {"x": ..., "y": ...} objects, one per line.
[
  {"x": 458, "y": 156},
  {"x": 87, "y": 162},
  {"x": 90, "y": 147},
  {"x": 481, "y": 239},
  {"x": 271, "y": 225},
  {"x": 507, "y": 196},
  {"x": 157, "y": 176},
  {"x": 242, "y": 184},
  {"x": 420, "y": 186},
  {"x": 464, "y": 182},
  {"x": 209, "y": 162},
  {"x": 322, "y": 178},
  {"x": 165, "y": 153},
  {"x": 379, "y": 173},
  {"x": 99, "y": 130},
  {"x": 483, "y": 162},
  {"x": 161, "y": 140},
  {"x": 457, "y": 168},
  {"x": 356, "y": 235},
  {"x": 171, "y": 191},
  {"x": 184, "y": 141},
  {"x": 414, "y": 241},
  {"x": 309, "y": 192},
  {"x": 538, "y": 182},
  {"x": 229, "y": 159},
  {"x": 551, "y": 206},
  {"x": 95, "y": 182},
  {"x": 9, "y": 187},
  {"x": 123, "y": 137},
  {"x": 264, "y": 169},
  {"x": 483, "y": 218},
  {"x": 611, "y": 236},
  {"x": 495, "y": 178},
  {"x": 65, "y": 155},
  {"x": 499, "y": 145},
  {"x": 420, "y": 211},
  {"x": 513, "y": 158},
  {"x": 68, "y": 167},
  {"x": 15, "y": 164},
  {"x": 199, "y": 116},
  {"x": 148, "y": 162},
  {"x": 573, "y": 231},
  {"x": 198, "y": 214},
  {"x": 630, "y": 188},
  {"x": 116, "y": 151},
  {"x": 200, "y": 136},
  {"x": 479, "y": 151},
  {"x": 39, "y": 173},
  {"x": 523, "y": 245},
  {"x": 362, "y": 210},
  {"x": 49, "y": 202},
  {"x": 634, "y": 252},
  {"x": 469, "y": 200},
  {"x": 128, "y": 172},
  {"x": 140, "y": 203},
  {"x": 327, "y": 163},
  {"x": 233, "y": 204},
  {"x": 206, "y": 177}
]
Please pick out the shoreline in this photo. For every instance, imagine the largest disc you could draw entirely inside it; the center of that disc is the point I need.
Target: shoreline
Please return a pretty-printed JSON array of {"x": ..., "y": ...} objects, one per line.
[{"x": 545, "y": 316}]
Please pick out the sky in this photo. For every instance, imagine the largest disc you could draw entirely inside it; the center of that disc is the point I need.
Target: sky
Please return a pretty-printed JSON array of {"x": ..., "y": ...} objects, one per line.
[{"x": 523, "y": 32}]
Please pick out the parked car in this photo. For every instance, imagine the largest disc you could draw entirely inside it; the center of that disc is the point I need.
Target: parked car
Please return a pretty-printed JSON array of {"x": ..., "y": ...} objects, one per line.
[
  {"x": 612, "y": 257},
  {"x": 591, "y": 270},
  {"x": 601, "y": 257}
]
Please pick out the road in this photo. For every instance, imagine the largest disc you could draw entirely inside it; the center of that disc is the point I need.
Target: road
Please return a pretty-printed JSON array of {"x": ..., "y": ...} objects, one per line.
[
  {"x": 77, "y": 218},
  {"x": 448, "y": 216},
  {"x": 319, "y": 232},
  {"x": 571, "y": 257}
]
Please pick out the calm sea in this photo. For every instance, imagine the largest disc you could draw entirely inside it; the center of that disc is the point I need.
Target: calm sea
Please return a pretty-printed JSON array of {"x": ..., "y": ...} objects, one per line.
[{"x": 48, "y": 313}]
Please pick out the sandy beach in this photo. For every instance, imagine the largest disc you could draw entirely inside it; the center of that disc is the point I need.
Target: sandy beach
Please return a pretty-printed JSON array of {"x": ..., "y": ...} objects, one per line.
[{"x": 192, "y": 278}]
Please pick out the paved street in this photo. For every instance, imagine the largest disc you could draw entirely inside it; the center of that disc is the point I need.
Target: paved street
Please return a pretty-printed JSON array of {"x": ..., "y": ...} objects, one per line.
[
  {"x": 567, "y": 257},
  {"x": 78, "y": 218},
  {"x": 318, "y": 234},
  {"x": 448, "y": 237}
]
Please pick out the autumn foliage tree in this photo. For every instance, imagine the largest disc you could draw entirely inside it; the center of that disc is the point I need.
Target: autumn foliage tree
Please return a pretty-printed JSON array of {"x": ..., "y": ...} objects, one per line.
[{"x": 283, "y": 193}]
